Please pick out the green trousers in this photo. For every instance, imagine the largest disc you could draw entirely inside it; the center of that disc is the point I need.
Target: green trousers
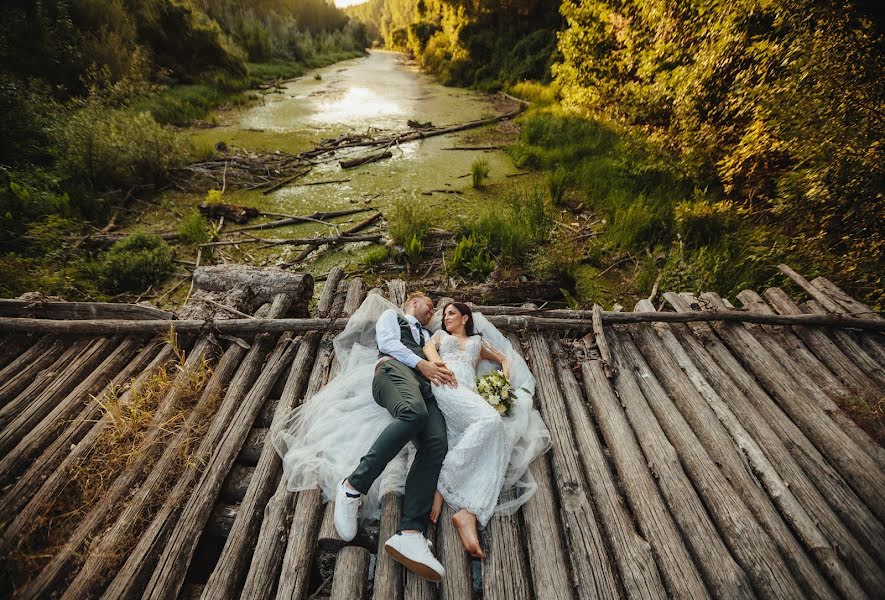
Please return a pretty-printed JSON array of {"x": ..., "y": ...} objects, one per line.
[{"x": 416, "y": 418}]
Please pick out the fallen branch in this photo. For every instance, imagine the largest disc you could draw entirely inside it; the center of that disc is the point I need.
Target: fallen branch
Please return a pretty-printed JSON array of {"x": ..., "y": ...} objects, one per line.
[
  {"x": 356, "y": 162},
  {"x": 356, "y": 228},
  {"x": 292, "y": 219},
  {"x": 473, "y": 148},
  {"x": 284, "y": 181},
  {"x": 317, "y": 241}
]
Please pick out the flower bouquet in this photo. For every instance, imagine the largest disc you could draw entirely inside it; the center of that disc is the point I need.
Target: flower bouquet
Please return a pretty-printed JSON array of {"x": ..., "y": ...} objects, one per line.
[{"x": 495, "y": 389}]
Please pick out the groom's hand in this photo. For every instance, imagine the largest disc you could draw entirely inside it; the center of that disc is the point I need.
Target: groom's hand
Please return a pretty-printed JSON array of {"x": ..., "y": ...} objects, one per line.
[{"x": 437, "y": 372}]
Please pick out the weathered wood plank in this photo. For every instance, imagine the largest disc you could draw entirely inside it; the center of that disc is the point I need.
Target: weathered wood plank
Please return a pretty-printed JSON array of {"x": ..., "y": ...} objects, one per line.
[
  {"x": 724, "y": 576},
  {"x": 458, "y": 582},
  {"x": 41, "y": 435},
  {"x": 811, "y": 476},
  {"x": 173, "y": 563},
  {"x": 854, "y": 463},
  {"x": 13, "y": 346},
  {"x": 232, "y": 568},
  {"x": 548, "y": 563},
  {"x": 45, "y": 477},
  {"x": 61, "y": 563},
  {"x": 814, "y": 540},
  {"x": 80, "y": 310},
  {"x": 851, "y": 347},
  {"x": 106, "y": 554},
  {"x": 349, "y": 582},
  {"x": 22, "y": 371},
  {"x": 591, "y": 565},
  {"x": 416, "y": 587},
  {"x": 677, "y": 568},
  {"x": 505, "y": 568},
  {"x": 271, "y": 545},
  {"x": 825, "y": 349},
  {"x": 632, "y": 554}
]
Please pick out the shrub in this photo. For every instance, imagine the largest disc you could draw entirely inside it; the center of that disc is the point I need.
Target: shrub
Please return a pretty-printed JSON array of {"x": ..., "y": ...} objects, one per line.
[
  {"x": 471, "y": 258},
  {"x": 136, "y": 262},
  {"x": 194, "y": 228},
  {"x": 641, "y": 223},
  {"x": 480, "y": 171},
  {"x": 408, "y": 219}
]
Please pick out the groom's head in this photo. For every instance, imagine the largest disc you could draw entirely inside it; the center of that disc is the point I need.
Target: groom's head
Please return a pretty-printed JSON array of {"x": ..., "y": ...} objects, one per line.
[{"x": 419, "y": 306}]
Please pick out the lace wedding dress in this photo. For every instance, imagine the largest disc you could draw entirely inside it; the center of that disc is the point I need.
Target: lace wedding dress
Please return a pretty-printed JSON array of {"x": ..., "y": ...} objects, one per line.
[
  {"x": 480, "y": 445},
  {"x": 321, "y": 441}
]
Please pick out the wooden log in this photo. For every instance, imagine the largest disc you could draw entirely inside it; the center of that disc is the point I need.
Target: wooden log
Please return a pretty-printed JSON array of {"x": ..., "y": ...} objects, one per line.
[
  {"x": 851, "y": 347},
  {"x": 825, "y": 349},
  {"x": 349, "y": 582},
  {"x": 254, "y": 445},
  {"x": 270, "y": 547},
  {"x": 294, "y": 220},
  {"x": 416, "y": 587},
  {"x": 347, "y": 232},
  {"x": 591, "y": 566},
  {"x": 632, "y": 553},
  {"x": 875, "y": 344},
  {"x": 703, "y": 443},
  {"x": 458, "y": 582},
  {"x": 504, "y": 570},
  {"x": 40, "y": 436},
  {"x": 722, "y": 574},
  {"x": 548, "y": 565},
  {"x": 388, "y": 572},
  {"x": 231, "y": 569},
  {"x": 510, "y": 322},
  {"x": 265, "y": 283},
  {"x": 812, "y": 291},
  {"x": 61, "y": 383},
  {"x": 173, "y": 563},
  {"x": 11, "y": 347},
  {"x": 133, "y": 575},
  {"x": 80, "y": 310},
  {"x": 599, "y": 333},
  {"x": 676, "y": 566},
  {"x": 823, "y": 383},
  {"x": 804, "y": 525},
  {"x": 60, "y": 564},
  {"x": 230, "y": 212},
  {"x": 356, "y": 162},
  {"x": 332, "y": 240},
  {"x": 22, "y": 371},
  {"x": 860, "y": 470},
  {"x": 107, "y": 552},
  {"x": 284, "y": 181},
  {"x": 797, "y": 458},
  {"x": 49, "y": 473}
]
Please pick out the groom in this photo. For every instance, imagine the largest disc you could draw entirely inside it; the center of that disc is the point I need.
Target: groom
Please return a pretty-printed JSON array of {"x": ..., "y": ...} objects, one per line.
[{"x": 402, "y": 386}]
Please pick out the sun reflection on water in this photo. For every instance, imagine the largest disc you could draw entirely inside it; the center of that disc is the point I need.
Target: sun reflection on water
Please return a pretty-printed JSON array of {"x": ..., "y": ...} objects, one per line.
[{"x": 355, "y": 104}]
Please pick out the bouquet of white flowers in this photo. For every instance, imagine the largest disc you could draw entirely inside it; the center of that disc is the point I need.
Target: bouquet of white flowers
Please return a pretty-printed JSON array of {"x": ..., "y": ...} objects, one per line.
[{"x": 495, "y": 389}]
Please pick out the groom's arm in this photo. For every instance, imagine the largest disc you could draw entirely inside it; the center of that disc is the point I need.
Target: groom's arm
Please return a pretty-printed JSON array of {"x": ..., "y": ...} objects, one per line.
[{"x": 387, "y": 334}]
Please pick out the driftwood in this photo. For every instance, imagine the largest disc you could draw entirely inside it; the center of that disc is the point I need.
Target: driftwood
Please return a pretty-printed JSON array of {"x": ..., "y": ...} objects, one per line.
[
  {"x": 284, "y": 221},
  {"x": 631, "y": 552},
  {"x": 356, "y": 162},
  {"x": 231, "y": 212},
  {"x": 315, "y": 241},
  {"x": 654, "y": 520},
  {"x": 591, "y": 565},
  {"x": 264, "y": 283},
  {"x": 284, "y": 181},
  {"x": 348, "y": 232},
  {"x": 42, "y": 309}
]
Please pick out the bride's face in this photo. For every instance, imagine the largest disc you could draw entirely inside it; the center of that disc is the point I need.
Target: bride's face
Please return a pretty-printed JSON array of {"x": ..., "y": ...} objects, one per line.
[{"x": 453, "y": 321}]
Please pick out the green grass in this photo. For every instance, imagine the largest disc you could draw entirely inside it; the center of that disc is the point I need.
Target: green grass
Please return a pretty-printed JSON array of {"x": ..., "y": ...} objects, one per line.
[{"x": 479, "y": 171}]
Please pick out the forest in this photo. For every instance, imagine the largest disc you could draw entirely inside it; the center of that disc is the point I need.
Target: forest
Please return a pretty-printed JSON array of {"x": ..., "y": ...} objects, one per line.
[{"x": 717, "y": 138}]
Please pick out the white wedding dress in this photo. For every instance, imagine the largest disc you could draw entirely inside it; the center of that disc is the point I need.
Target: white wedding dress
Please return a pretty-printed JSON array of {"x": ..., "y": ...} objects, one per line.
[
  {"x": 473, "y": 471},
  {"x": 321, "y": 441}
]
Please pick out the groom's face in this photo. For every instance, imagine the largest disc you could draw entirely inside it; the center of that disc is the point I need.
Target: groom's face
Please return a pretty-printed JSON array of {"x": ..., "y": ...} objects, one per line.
[{"x": 423, "y": 309}]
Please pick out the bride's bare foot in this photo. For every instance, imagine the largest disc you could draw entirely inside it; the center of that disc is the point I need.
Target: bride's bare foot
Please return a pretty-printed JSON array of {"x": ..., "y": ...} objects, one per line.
[
  {"x": 465, "y": 523},
  {"x": 436, "y": 509}
]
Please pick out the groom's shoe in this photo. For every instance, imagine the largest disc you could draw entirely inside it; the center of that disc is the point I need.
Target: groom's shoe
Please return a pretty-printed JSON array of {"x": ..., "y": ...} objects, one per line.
[
  {"x": 413, "y": 551},
  {"x": 347, "y": 507}
]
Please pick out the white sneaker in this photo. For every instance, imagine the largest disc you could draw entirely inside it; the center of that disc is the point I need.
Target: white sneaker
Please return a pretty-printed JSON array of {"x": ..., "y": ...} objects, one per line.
[
  {"x": 347, "y": 509},
  {"x": 413, "y": 552}
]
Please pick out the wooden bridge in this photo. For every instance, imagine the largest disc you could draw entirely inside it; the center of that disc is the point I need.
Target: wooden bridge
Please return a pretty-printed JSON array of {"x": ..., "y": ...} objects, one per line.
[{"x": 695, "y": 454}]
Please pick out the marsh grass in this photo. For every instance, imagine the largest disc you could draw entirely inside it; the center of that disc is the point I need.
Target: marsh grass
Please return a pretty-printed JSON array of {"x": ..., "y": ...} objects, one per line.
[
  {"x": 514, "y": 231},
  {"x": 131, "y": 412},
  {"x": 194, "y": 228},
  {"x": 479, "y": 172},
  {"x": 407, "y": 220}
]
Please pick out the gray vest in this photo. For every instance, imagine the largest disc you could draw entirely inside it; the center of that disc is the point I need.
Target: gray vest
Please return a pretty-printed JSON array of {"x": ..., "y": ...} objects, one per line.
[{"x": 405, "y": 336}]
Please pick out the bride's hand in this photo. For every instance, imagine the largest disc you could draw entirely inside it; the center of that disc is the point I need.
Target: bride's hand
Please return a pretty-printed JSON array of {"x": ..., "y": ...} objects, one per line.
[
  {"x": 437, "y": 372},
  {"x": 436, "y": 509}
]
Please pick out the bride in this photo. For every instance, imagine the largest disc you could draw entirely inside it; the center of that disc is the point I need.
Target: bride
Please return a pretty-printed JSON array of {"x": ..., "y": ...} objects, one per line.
[{"x": 486, "y": 469}]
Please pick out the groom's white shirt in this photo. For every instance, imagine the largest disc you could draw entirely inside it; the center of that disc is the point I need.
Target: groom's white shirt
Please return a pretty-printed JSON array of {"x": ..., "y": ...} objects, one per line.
[{"x": 387, "y": 334}]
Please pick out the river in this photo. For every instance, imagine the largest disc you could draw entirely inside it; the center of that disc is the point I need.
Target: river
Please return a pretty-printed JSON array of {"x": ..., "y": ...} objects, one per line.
[{"x": 374, "y": 93}]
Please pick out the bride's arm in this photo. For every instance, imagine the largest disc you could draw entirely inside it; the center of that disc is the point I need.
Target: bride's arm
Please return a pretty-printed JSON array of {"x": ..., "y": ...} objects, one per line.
[
  {"x": 431, "y": 350},
  {"x": 488, "y": 352}
]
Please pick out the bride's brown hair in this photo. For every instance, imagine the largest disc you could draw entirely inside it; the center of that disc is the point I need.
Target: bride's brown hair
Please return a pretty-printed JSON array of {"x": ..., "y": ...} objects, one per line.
[{"x": 464, "y": 310}]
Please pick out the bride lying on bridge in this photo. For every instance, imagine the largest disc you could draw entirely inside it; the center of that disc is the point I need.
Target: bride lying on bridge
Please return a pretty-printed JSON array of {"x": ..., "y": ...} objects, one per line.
[{"x": 485, "y": 472}]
